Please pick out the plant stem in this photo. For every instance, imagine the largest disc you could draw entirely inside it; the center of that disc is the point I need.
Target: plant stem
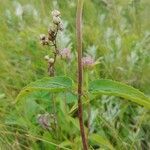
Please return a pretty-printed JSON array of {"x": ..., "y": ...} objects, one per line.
[
  {"x": 51, "y": 70},
  {"x": 51, "y": 67},
  {"x": 80, "y": 71}
]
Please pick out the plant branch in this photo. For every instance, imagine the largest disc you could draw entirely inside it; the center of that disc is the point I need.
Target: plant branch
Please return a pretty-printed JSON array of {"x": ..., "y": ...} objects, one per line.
[
  {"x": 51, "y": 67},
  {"x": 80, "y": 71}
]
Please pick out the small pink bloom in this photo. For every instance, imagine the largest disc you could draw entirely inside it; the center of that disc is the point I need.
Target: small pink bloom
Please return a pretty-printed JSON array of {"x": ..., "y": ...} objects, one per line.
[{"x": 88, "y": 62}]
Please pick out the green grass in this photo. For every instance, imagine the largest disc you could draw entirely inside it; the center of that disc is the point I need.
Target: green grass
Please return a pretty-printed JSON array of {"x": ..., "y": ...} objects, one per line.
[{"x": 117, "y": 32}]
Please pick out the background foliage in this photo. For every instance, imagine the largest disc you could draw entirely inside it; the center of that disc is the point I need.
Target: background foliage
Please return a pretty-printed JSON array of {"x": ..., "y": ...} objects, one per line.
[{"x": 115, "y": 32}]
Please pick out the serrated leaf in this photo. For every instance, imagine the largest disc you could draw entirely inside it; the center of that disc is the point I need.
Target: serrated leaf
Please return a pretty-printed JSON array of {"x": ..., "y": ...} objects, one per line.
[
  {"x": 109, "y": 87},
  {"x": 51, "y": 84}
]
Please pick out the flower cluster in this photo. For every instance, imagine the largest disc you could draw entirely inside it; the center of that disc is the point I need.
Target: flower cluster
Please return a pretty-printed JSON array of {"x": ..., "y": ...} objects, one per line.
[
  {"x": 52, "y": 31},
  {"x": 51, "y": 40}
]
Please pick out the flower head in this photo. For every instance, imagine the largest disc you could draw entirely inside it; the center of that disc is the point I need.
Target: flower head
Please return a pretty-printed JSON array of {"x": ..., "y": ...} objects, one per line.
[{"x": 88, "y": 62}]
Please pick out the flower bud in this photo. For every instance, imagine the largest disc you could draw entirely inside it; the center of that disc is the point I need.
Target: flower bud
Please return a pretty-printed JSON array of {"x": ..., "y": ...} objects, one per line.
[
  {"x": 56, "y": 20},
  {"x": 55, "y": 13},
  {"x": 51, "y": 60},
  {"x": 46, "y": 57}
]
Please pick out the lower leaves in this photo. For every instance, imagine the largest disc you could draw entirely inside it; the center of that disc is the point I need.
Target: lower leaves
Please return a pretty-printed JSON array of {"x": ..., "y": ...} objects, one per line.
[{"x": 68, "y": 125}]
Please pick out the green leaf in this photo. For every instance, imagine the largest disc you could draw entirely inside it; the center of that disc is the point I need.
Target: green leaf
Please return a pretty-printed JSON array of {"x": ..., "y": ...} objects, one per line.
[
  {"x": 101, "y": 141},
  {"x": 51, "y": 84},
  {"x": 109, "y": 87}
]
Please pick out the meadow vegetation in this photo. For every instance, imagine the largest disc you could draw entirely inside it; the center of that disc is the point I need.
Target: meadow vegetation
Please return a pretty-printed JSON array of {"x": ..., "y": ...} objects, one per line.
[{"x": 116, "y": 34}]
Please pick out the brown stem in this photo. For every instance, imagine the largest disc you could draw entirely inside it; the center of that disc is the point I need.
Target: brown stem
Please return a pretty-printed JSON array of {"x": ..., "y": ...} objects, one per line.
[
  {"x": 51, "y": 67},
  {"x": 80, "y": 71},
  {"x": 51, "y": 71}
]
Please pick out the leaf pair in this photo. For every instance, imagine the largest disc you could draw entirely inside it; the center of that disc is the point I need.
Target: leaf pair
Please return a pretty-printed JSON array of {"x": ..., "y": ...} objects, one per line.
[{"x": 97, "y": 87}]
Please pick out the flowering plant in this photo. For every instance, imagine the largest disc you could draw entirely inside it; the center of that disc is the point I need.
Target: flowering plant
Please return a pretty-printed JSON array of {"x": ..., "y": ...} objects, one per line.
[{"x": 64, "y": 84}]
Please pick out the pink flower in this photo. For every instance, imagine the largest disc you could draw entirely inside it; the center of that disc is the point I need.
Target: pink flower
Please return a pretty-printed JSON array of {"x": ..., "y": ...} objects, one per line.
[
  {"x": 88, "y": 62},
  {"x": 65, "y": 53}
]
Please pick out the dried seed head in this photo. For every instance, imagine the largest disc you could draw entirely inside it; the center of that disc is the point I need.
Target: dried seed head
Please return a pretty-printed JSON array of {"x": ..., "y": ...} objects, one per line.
[
  {"x": 50, "y": 38},
  {"x": 56, "y": 20},
  {"x": 51, "y": 30},
  {"x": 44, "y": 40},
  {"x": 51, "y": 60},
  {"x": 51, "y": 33},
  {"x": 55, "y": 13},
  {"x": 42, "y": 37},
  {"x": 60, "y": 26},
  {"x": 46, "y": 57}
]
